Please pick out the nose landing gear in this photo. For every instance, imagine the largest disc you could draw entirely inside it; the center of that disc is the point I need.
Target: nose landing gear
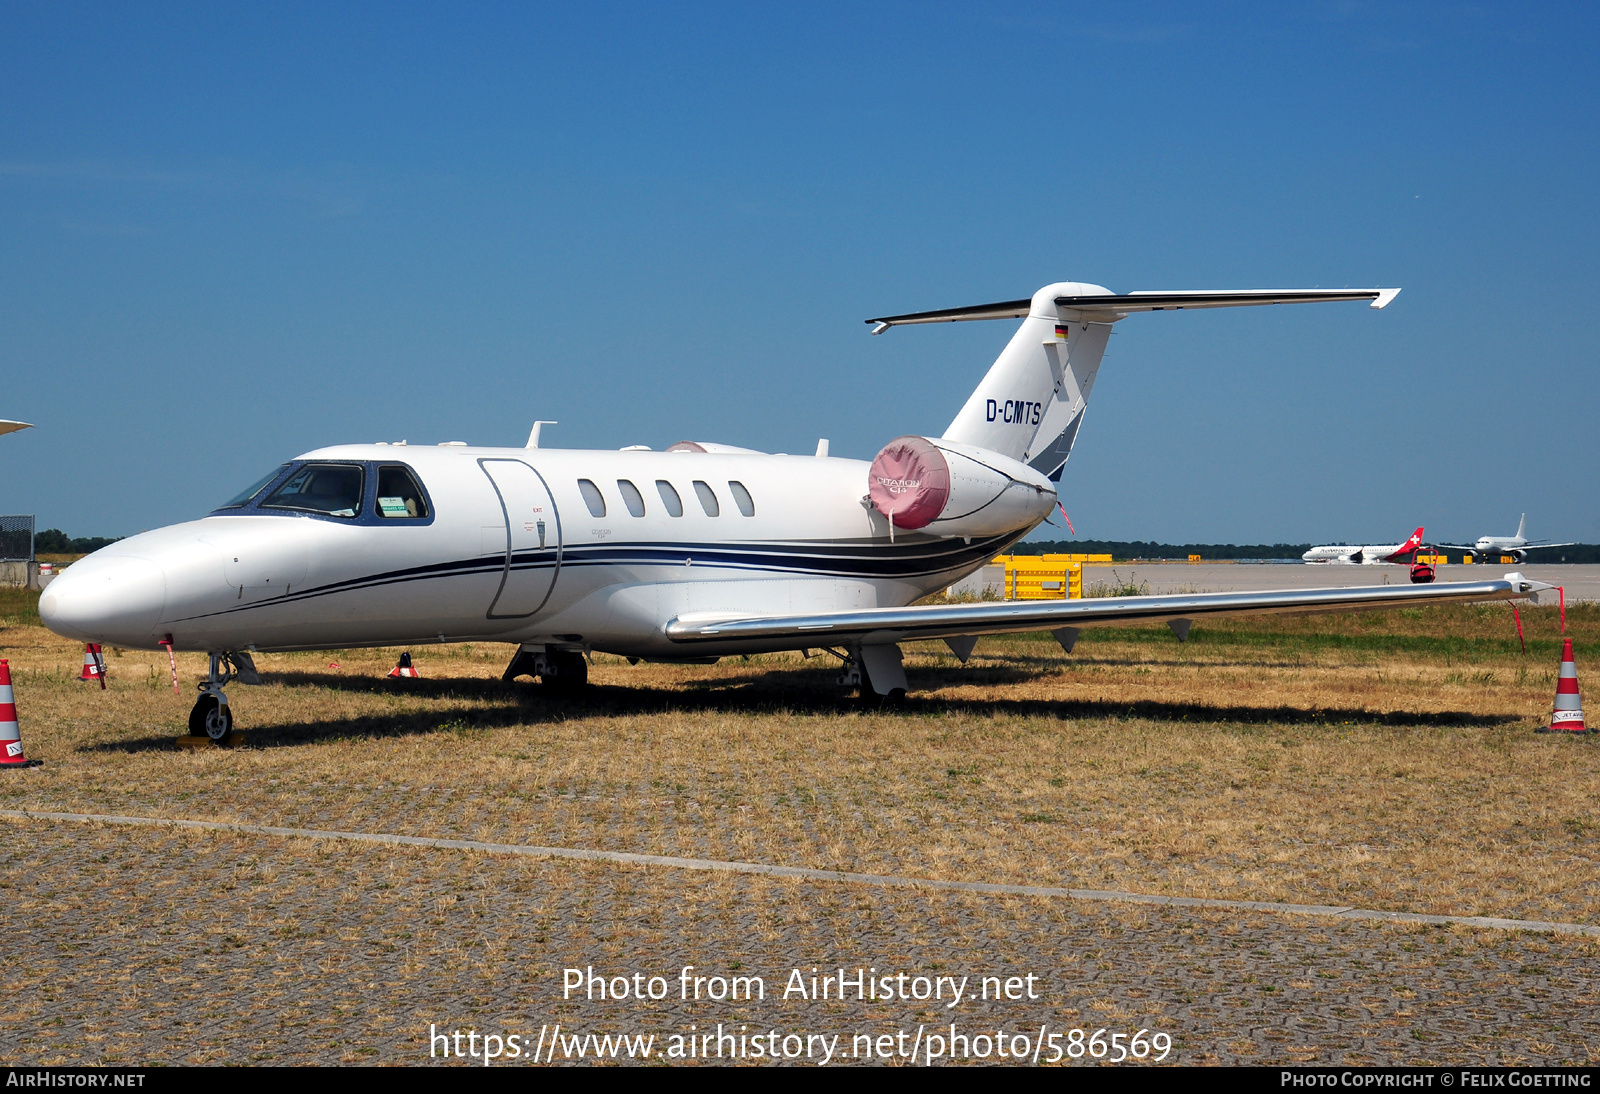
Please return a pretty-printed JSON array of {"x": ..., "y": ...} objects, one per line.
[{"x": 211, "y": 716}]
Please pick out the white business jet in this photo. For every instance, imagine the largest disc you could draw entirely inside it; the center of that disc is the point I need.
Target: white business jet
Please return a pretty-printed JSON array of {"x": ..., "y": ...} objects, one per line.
[
  {"x": 1516, "y": 546},
  {"x": 691, "y": 554}
]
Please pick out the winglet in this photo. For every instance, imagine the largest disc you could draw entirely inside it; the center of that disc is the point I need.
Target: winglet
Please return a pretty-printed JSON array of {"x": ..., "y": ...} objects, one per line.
[{"x": 1384, "y": 297}]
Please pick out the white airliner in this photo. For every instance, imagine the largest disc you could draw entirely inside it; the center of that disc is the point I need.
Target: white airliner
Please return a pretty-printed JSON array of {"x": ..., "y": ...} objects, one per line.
[
  {"x": 698, "y": 552},
  {"x": 1516, "y": 546},
  {"x": 1394, "y": 553}
]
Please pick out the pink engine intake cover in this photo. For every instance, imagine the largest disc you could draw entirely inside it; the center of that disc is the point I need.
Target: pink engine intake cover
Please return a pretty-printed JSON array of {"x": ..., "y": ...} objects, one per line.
[{"x": 909, "y": 482}]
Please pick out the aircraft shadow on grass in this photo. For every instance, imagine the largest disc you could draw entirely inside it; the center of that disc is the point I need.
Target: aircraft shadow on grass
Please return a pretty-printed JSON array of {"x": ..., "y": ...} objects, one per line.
[{"x": 793, "y": 691}]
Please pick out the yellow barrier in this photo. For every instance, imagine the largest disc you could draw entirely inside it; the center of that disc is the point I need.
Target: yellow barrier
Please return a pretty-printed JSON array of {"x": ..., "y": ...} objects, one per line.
[
  {"x": 1432, "y": 560},
  {"x": 1045, "y": 577}
]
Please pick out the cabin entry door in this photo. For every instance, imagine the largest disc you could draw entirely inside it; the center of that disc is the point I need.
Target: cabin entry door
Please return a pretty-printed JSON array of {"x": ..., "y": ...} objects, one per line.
[{"x": 533, "y": 539}]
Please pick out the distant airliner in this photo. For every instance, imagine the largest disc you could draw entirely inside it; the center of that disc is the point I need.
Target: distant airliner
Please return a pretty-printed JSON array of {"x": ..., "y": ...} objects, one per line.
[
  {"x": 1517, "y": 546},
  {"x": 1395, "y": 553},
  {"x": 699, "y": 552}
]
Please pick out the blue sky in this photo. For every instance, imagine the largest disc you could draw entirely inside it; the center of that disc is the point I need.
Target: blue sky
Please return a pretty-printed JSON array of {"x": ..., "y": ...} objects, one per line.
[{"x": 228, "y": 236}]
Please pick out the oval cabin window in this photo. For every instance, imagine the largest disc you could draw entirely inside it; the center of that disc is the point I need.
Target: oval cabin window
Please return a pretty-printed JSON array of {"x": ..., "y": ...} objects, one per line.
[
  {"x": 669, "y": 498},
  {"x": 742, "y": 498},
  {"x": 592, "y": 498},
  {"x": 631, "y": 497},
  {"x": 708, "y": 498}
]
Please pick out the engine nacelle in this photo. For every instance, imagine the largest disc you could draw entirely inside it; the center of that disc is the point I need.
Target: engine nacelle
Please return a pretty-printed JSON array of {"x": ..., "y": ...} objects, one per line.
[{"x": 950, "y": 489}]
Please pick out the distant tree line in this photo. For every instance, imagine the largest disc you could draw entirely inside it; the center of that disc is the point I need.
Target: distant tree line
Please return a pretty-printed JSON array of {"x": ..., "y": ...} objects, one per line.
[
  {"x": 53, "y": 541},
  {"x": 1120, "y": 549}
]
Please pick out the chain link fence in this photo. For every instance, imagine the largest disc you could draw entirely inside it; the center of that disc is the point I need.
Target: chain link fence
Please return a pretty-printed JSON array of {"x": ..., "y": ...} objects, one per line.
[{"x": 16, "y": 539}]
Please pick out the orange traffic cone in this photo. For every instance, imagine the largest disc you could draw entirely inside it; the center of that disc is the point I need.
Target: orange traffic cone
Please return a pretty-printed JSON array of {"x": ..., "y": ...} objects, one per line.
[
  {"x": 91, "y": 663},
  {"x": 10, "y": 733},
  {"x": 404, "y": 669},
  {"x": 1567, "y": 717}
]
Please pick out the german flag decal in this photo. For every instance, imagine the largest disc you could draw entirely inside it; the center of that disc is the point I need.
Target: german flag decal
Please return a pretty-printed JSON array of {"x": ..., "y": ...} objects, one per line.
[{"x": 1061, "y": 332}]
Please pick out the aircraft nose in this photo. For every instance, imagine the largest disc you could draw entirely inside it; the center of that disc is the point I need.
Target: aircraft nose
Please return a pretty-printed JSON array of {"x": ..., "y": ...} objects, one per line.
[{"x": 116, "y": 600}]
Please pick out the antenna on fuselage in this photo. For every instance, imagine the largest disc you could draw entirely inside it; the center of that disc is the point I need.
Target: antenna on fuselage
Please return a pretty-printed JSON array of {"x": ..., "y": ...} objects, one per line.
[{"x": 533, "y": 438}]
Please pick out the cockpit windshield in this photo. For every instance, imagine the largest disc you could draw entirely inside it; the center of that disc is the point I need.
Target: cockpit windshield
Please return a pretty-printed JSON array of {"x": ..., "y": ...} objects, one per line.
[
  {"x": 332, "y": 488},
  {"x": 245, "y": 496}
]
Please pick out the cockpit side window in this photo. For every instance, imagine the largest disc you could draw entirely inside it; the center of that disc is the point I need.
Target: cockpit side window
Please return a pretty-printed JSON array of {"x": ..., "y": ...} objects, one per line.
[
  {"x": 248, "y": 494},
  {"x": 399, "y": 496},
  {"x": 334, "y": 489}
]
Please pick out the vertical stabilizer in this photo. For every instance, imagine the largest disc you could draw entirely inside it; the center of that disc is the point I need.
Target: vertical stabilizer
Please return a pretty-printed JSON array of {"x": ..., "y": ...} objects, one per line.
[
  {"x": 1031, "y": 403},
  {"x": 1522, "y": 526}
]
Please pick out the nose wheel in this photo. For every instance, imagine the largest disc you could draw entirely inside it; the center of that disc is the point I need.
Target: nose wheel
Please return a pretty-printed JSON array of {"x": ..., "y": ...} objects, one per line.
[{"x": 211, "y": 716}]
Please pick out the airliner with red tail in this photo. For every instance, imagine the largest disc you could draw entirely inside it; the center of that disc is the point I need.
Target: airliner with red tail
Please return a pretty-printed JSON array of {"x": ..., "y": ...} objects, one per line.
[{"x": 1397, "y": 554}]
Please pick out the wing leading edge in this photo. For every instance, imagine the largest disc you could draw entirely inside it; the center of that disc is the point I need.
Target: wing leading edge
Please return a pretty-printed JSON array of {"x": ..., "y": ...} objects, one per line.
[{"x": 886, "y": 625}]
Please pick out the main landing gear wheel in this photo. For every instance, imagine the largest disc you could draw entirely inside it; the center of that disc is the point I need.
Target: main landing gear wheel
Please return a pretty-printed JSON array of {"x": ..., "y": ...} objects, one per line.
[
  {"x": 211, "y": 718},
  {"x": 565, "y": 673}
]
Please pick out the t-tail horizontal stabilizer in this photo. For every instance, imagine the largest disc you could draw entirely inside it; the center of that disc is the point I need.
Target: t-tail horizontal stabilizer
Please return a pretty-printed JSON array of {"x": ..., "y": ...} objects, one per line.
[{"x": 1030, "y": 405}]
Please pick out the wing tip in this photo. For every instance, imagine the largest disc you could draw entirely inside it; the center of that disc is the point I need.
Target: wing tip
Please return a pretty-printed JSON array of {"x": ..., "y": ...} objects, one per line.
[{"x": 1385, "y": 298}]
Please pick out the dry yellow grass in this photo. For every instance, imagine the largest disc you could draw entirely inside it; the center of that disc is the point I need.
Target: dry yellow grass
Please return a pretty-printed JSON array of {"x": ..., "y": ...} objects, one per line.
[{"x": 1381, "y": 761}]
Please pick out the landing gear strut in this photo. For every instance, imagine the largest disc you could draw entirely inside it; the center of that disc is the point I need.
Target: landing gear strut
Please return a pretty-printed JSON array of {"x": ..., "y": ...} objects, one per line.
[
  {"x": 562, "y": 672},
  {"x": 211, "y": 716},
  {"x": 877, "y": 672}
]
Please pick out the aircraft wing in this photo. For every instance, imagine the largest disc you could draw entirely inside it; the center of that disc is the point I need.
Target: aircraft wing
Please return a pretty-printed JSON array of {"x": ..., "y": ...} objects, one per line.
[
  {"x": 876, "y": 626},
  {"x": 1116, "y": 305},
  {"x": 12, "y": 427},
  {"x": 1497, "y": 550}
]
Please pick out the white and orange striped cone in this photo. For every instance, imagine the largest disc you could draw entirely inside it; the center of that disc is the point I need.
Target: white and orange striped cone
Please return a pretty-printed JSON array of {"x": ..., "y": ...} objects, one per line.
[
  {"x": 1567, "y": 717},
  {"x": 10, "y": 733},
  {"x": 404, "y": 669},
  {"x": 91, "y": 663}
]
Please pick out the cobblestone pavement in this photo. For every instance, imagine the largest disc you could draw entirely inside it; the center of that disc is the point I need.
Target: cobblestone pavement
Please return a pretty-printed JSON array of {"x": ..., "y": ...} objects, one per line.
[{"x": 139, "y": 946}]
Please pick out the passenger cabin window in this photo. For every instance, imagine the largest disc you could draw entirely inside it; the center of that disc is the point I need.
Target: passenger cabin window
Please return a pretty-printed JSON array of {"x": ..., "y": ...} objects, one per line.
[
  {"x": 331, "y": 488},
  {"x": 245, "y": 496},
  {"x": 592, "y": 498},
  {"x": 399, "y": 496},
  {"x": 708, "y": 498},
  {"x": 631, "y": 497},
  {"x": 669, "y": 498},
  {"x": 742, "y": 498}
]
